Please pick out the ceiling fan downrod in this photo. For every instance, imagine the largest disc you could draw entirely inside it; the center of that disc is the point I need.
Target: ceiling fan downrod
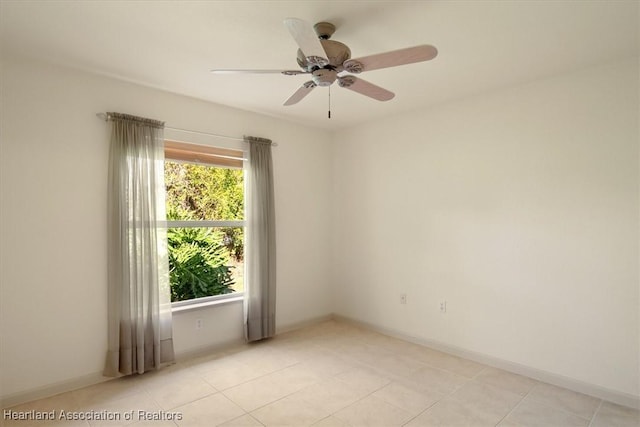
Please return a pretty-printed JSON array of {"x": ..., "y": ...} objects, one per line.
[{"x": 329, "y": 112}]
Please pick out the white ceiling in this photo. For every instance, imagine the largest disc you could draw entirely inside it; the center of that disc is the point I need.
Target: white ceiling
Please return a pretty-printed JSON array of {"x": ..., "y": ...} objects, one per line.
[{"x": 172, "y": 45}]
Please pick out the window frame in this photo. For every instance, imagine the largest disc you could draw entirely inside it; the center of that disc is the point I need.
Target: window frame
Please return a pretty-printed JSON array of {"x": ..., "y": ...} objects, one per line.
[{"x": 207, "y": 155}]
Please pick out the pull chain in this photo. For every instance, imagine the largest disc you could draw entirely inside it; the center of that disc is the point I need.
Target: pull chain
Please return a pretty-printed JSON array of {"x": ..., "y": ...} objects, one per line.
[{"x": 329, "y": 112}]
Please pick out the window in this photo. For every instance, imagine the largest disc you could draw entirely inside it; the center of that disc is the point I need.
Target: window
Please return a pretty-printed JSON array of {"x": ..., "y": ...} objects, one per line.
[{"x": 205, "y": 227}]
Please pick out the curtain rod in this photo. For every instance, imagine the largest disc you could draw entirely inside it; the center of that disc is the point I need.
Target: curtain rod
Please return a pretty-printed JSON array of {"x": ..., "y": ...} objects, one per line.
[{"x": 105, "y": 117}]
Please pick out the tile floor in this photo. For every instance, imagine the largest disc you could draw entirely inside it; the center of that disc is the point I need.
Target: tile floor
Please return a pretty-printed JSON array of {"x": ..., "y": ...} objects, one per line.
[{"x": 330, "y": 374}]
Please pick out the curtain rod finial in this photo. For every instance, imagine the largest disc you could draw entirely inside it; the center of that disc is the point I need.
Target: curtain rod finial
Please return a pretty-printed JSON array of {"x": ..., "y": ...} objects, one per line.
[{"x": 102, "y": 116}]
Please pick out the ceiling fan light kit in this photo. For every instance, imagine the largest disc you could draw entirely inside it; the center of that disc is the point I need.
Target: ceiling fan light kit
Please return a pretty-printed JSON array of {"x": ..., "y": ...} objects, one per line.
[
  {"x": 324, "y": 76},
  {"x": 326, "y": 59}
]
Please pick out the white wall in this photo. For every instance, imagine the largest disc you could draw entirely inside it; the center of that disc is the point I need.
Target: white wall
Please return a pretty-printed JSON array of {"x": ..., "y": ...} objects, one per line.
[
  {"x": 518, "y": 207},
  {"x": 54, "y": 154}
]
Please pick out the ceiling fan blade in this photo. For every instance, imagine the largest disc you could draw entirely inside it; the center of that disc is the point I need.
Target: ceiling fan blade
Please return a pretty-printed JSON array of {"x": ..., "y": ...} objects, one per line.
[
  {"x": 365, "y": 88},
  {"x": 391, "y": 59},
  {"x": 236, "y": 71},
  {"x": 307, "y": 40},
  {"x": 300, "y": 93}
]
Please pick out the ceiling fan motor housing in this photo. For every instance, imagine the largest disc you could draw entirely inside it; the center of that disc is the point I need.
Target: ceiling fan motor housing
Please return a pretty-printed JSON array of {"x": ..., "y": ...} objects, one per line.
[{"x": 336, "y": 52}]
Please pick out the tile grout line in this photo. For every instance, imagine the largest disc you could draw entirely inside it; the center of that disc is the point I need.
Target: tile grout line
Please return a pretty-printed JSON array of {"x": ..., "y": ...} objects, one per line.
[
  {"x": 444, "y": 396},
  {"x": 277, "y": 400},
  {"x": 516, "y": 406},
  {"x": 174, "y": 408},
  {"x": 593, "y": 417},
  {"x": 467, "y": 380},
  {"x": 262, "y": 376},
  {"x": 558, "y": 408}
]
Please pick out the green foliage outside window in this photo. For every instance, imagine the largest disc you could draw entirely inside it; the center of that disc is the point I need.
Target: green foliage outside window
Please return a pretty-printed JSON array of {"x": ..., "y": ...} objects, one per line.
[
  {"x": 202, "y": 260},
  {"x": 198, "y": 264}
]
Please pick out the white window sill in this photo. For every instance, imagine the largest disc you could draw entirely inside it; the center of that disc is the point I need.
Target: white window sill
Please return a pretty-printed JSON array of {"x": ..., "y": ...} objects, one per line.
[{"x": 205, "y": 304}]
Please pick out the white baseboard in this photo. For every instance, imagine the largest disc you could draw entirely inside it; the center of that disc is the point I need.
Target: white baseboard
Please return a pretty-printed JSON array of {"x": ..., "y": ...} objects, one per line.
[
  {"x": 204, "y": 350},
  {"x": 207, "y": 349},
  {"x": 600, "y": 392},
  {"x": 52, "y": 389},
  {"x": 303, "y": 324}
]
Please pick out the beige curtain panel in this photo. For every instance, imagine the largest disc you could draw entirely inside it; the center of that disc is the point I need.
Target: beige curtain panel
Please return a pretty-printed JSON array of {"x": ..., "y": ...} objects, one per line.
[
  {"x": 260, "y": 295},
  {"x": 139, "y": 294}
]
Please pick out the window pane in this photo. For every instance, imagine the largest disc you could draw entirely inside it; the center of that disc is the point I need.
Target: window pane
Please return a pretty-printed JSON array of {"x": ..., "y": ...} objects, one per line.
[
  {"x": 205, "y": 261},
  {"x": 202, "y": 192}
]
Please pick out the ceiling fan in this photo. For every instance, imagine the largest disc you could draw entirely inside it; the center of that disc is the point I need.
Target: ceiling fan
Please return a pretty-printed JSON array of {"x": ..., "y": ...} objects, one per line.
[{"x": 327, "y": 61}]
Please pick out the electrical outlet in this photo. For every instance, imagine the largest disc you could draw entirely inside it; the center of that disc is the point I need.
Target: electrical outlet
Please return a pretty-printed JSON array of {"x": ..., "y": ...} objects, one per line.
[
  {"x": 403, "y": 298},
  {"x": 199, "y": 324},
  {"x": 443, "y": 306}
]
